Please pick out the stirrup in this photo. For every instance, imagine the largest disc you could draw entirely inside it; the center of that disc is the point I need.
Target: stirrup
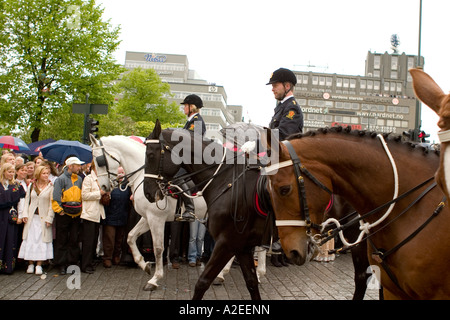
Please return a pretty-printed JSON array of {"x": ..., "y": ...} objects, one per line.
[{"x": 181, "y": 218}]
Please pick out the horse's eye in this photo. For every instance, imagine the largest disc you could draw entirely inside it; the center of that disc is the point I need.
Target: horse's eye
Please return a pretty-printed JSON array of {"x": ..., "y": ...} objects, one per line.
[{"x": 285, "y": 190}]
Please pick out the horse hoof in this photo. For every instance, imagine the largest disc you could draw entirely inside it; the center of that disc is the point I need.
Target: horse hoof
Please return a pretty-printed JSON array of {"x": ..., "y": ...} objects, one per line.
[
  {"x": 148, "y": 268},
  {"x": 150, "y": 287},
  {"x": 218, "y": 281}
]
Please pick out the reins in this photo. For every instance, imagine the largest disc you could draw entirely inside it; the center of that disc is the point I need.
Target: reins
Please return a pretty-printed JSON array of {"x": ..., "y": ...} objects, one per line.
[{"x": 236, "y": 192}]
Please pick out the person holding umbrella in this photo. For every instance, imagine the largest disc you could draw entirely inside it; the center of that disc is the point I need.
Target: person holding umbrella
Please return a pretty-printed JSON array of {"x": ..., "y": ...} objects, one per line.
[{"x": 66, "y": 204}]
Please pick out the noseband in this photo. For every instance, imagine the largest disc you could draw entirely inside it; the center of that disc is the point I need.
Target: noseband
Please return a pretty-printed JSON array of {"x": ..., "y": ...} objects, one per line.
[
  {"x": 299, "y": 170},
  {"x": 102, "y": 161}
]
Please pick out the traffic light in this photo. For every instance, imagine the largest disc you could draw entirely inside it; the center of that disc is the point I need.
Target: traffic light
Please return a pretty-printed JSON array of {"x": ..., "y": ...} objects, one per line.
[
  {"x": 422, "y": 137},
  {"x": 93, "y": 126}
]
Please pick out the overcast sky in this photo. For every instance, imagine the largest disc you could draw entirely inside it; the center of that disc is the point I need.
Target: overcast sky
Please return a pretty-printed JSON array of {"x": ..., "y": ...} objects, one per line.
[{"x": 238, "y": 44}]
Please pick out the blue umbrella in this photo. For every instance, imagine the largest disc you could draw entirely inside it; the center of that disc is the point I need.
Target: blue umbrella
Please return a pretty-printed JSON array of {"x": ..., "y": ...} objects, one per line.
[
  {"x": 35, "y": 147},
  {"x": 60, "y": 150},
  {"x": 10, "y": 142}
]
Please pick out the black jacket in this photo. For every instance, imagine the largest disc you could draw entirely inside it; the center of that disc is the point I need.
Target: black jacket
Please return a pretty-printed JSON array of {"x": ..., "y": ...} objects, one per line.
[
  {"x": 195, "y": 121},
  {"x": 117, "y": 211},
  {"x": 288, "y": 118}
]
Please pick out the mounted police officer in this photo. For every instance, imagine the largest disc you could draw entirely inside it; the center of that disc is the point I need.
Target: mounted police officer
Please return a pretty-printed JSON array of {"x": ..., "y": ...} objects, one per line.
[
  {"x": 288, "y": 117},
  {"x": 192, "y": 105}
]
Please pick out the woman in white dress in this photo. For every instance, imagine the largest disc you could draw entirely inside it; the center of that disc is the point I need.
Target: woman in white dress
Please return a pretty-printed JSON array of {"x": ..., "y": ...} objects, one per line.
[{"x": 38, "y": 218}]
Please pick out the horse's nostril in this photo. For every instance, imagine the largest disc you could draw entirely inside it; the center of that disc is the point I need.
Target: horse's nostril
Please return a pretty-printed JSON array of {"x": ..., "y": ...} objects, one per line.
[{"x": 296, "y": 257}]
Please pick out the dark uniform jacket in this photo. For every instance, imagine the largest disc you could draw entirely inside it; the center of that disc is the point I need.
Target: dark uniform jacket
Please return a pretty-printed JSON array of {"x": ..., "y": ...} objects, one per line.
[
  {"x": 196, "y": 120},
  {"x": 288, "y": 118}
]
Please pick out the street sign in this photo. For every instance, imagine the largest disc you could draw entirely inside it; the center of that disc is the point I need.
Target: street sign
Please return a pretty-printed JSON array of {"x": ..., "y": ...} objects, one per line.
[
  {"x": 99, "y": 108},
  {"x": 90, "y": 108}
]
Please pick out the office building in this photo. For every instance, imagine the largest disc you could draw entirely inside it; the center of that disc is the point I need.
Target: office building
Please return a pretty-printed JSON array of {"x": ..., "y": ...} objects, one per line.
[
  {"x": 381, "y": 100},
  {"x": 174, "y": 69}
]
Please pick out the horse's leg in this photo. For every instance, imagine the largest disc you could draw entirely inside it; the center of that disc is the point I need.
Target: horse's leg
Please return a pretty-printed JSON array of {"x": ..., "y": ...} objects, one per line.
[
  {"x": 157, "y": 225},
  {"x": 221, "y": 276},
  {"x": 219, "y": 257},
  {"x": 247, "y": 263},
  {"x": 360, "y": 265},
  {"x": 261, "y": 268},
  {"x": 140, "y": 228}
]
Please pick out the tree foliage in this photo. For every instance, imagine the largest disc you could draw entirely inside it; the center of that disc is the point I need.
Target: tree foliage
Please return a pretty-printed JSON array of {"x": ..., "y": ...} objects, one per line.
[
  {"x": 143, "y": 98},
  {"x": 52, "y": 53}
]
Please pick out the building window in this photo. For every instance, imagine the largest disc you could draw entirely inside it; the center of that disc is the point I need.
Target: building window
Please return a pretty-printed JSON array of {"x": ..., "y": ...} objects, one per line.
[
  {"x": 369, "y": 84},
  {"x": 305, "y": 79},
  {"x": 346, "y": 83},
  {"x": 315, "y": 80},
  {"x": 394, "y": 75},
  {"x": 376, "y": 85},
  {"x": 363, "y": 84},
  {"x": 394, "y": 62},
  {"x": 393, "y": 86},
  {"x": 329, "y": 81},
  {"x": 338, "y": 82},
  {"x": 376, "y": 62},
  {"x": 321, "y": 81}
]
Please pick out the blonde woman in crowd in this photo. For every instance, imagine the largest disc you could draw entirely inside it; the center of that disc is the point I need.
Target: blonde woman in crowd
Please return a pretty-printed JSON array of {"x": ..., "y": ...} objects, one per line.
[
  {"x": 11, "y": 200},
  {"x": 8, "y": 157},
  {"x": 21, "y": 175},
  {"x": 38, "y": 218}
]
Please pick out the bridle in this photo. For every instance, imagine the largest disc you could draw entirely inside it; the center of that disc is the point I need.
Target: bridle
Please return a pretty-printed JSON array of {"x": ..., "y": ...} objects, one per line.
[
  {"x": 305, "y": 217},
  {"x": 160, "y": 179},
  {"x": 102, "y": 161},
  {"x": 300, "y": 170}
]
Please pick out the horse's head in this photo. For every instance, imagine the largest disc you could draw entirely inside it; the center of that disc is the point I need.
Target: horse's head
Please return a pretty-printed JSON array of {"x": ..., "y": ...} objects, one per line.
[
  {"x": 159, "y": 164},
  {"x": 299, "y": 202},
  {"x": 431, "y": 94},
  {"x": 107, "y": 163}
]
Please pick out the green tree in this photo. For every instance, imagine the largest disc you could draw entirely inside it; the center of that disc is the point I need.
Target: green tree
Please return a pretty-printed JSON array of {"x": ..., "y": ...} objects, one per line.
[
  {"x": 143, "y": 98},
  {"x": 53, "y": 52}
]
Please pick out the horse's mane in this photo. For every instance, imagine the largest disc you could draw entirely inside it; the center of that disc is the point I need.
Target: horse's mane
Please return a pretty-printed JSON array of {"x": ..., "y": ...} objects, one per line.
[
  {"x": 128, "y": 140},
  {"x": 388, "y": 137}
]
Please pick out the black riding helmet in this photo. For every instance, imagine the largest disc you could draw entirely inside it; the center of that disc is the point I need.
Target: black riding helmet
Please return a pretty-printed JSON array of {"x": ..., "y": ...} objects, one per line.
[
  {"x": 193, "y": 99},
  {"x": 283, "y": 75}
]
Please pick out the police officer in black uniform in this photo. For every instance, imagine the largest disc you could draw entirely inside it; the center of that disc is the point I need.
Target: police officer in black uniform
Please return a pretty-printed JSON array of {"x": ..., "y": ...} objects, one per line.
[
  {"x": 192, "y": 105},
  {"x": 288, "y": 117}
]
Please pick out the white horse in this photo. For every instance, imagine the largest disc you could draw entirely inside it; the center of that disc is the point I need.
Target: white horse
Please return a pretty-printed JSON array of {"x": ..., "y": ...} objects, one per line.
[{"x": 113, "y": 151}]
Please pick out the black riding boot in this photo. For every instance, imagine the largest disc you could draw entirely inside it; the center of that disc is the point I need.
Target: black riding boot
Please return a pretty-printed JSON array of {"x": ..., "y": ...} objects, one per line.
[{"x": 188, "y": 214}]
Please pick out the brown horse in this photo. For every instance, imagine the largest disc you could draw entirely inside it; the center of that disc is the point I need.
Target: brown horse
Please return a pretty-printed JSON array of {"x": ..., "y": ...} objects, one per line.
[
  {"x": 431, "y": 94},
  {"x": 409, "y": 245}
]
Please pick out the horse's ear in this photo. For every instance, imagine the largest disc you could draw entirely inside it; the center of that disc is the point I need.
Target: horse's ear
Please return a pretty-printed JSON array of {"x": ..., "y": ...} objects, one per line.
[
  {"x": 270, "y": 141},
  {"x": 427, "y": 90},
  {"x": 94, "y": 141},
  {"x": 156, "y": 130}
]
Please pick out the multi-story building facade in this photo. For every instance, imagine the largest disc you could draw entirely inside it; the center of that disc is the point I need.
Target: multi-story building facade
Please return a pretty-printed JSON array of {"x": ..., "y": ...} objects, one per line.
[
  {"x": 382, "y": 100},
  {"x": 174, "y": 69}
]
